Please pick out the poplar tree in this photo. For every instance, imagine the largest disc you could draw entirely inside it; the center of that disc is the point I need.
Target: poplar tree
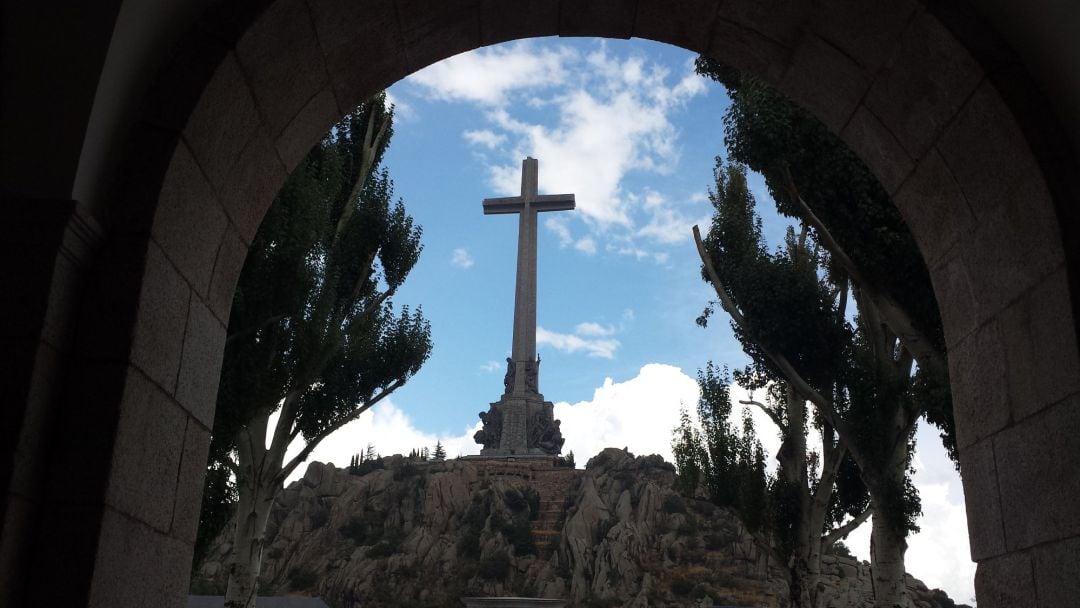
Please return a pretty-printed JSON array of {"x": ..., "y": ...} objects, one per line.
[
  {"x": 313, "y": 334},
  {"x": 788, "y": 310},
  {"x": 899, "y": 367}
]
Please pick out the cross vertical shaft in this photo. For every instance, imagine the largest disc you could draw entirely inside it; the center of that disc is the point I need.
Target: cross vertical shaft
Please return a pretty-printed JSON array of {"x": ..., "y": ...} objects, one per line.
[
  {"x": 527, "y": 205},
  {"x": 524, "y": 340}
]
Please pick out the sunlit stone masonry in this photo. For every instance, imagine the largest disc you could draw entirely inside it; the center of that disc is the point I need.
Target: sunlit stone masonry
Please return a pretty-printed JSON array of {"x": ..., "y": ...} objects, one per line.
[{"x": 521, "y": 422}]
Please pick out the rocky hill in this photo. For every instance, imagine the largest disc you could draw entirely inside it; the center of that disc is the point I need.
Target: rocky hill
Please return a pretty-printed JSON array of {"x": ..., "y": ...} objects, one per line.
[{"x": 615, "y": 534}]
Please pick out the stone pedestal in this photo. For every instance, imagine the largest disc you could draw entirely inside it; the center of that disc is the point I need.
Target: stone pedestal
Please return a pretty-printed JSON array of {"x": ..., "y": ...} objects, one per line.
[{"x": 520, "y": 425}]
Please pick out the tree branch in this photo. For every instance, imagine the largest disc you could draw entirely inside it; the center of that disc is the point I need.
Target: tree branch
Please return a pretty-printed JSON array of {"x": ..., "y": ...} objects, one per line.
[
  {"x": 897, "y": 318},
  {"x": 842, "y": 532},
  {"x": 793, "y": 377},
  {"x": 367, "y": 160},
  {"x": 772, "y": 414},
  {"x": 779, "y": 360},
  {"x": 832, "y": 457},
  {"x": 254, "y": 328},
  {"x": 304, "y": 453}
]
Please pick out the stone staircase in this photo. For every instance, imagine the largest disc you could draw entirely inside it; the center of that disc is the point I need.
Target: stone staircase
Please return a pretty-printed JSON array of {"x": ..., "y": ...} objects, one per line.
[
  {"x": 553, "y": 484},
  {"x": 553, "y": 487}
]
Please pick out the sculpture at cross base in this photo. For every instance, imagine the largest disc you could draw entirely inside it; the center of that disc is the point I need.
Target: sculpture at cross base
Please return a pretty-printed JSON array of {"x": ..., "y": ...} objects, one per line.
[{"x": 526, "y": 422}]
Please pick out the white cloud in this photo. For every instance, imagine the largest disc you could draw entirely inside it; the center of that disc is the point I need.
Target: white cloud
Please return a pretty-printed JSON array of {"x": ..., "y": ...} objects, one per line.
[
  {"x": 611, "y": 120},
  {"x": 491, "y": 366},
  {"x": 592, "y": 119},
  {"x": 603, "y": 347},
  {"x": 668, "y": 223},
  {"x": 558, "y": 225},
  {"x": 462, "y": 258},
  {"x": 488, "y": 76},
  {"x": 638, "y": 414},
  {"x": 390, "y": 430},
  {"x": 586, "y": 245},
  {"x": 590, "y": 328},
  {"x": 484, "y": 137},
  {"x": 403, "y": 111}
]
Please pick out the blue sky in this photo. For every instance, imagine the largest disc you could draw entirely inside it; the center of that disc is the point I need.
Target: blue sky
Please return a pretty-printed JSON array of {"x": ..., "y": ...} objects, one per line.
[{"x": 630, "y": 130}]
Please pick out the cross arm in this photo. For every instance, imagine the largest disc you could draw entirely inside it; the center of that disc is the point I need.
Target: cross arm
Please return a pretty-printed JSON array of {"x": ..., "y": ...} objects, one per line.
[
  {"x": 554, "y": 202},
  {"x": 509, "y": 204}
]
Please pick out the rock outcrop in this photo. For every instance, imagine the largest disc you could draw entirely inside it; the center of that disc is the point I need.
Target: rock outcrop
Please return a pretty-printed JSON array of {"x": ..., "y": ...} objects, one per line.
[{"x": 616, "y": 534}]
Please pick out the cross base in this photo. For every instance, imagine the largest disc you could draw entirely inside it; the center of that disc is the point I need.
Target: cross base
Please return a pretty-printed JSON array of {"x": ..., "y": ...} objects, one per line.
[{"x": 518, "y": 425}]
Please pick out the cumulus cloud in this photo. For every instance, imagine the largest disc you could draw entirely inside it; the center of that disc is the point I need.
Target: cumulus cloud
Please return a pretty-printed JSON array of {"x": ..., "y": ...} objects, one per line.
[
  {"x": 403, "y": 111},
  {"x": 590, "y": 328},
  {"x": 612, "y": 116},
  {"x": 603, "y": 347},
  {"x": 558, "y": 225},
  {"x": 484, "y": 137},
  {"x": 638, "y": 414},
  {"x": 487, "y": 76},
  {"x": 586, "y": 245},
  {"x": 669, "y": 223},
  {"x": 390, "y": 430},
  {"x": 462, "y": 258}
]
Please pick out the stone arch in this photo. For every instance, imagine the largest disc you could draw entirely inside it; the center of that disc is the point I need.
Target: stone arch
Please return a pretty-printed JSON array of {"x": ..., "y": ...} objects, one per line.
[{"x": 964, "y": 155}]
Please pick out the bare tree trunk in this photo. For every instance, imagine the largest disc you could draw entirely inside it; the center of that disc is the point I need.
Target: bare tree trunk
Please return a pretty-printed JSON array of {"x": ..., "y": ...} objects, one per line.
[
  {"x": 257, "y": 483},
  {"x": 887, "y": 548},
  {"x": 252, "y": 514},
  {"x": 806, "y": 567},
  {"x": 888, "y": 544},
  {"x": 805, "y": 561}
]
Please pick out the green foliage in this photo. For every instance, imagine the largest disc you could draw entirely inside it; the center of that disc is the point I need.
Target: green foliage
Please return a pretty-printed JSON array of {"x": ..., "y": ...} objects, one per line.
[
  {"x": 312, "y": 320},
  {"x": 793, "y": 306},
  {"x": 729, "y": 465},
  {"x": 689, "y": 454},
  {"x": 519, "y": 534},
  {"x": 313, "y": 332},
  {"x": 439, "y": 453},
  {"x": 770, "y": 134},
  {"x": 515, "y": 500},
  {"x": 367, "y": 466},
  {"x": 840, "y": 549},
  {"x": 568, "y": 460}
]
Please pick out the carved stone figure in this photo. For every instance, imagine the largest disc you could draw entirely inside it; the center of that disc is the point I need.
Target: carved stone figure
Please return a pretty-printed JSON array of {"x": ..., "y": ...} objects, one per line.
[
  {"x": 532, "y": 373},
  {"x": 489, "y": 435},
  {"x": 508, "y": 379},
  {"x": 544, "y": 433}
]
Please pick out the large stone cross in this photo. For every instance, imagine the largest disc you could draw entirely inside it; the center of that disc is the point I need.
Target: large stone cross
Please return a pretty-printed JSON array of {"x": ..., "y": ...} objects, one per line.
[{"x": 522, "y": 373}]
